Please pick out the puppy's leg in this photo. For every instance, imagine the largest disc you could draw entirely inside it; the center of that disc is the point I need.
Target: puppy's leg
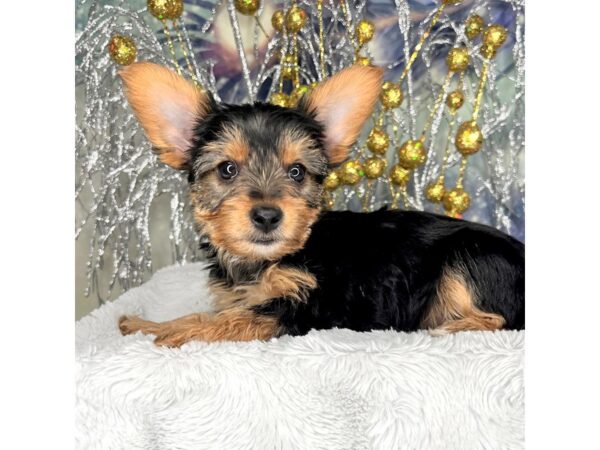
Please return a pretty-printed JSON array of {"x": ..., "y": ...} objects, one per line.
[
  {"x": 454, "y": 309},
  {"x": 133, "y": 324},
  {"x": 235, "y": 324}
]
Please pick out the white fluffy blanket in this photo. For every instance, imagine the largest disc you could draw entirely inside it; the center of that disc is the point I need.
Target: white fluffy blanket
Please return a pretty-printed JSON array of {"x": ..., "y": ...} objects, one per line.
[{"x": 334, "y": 389}]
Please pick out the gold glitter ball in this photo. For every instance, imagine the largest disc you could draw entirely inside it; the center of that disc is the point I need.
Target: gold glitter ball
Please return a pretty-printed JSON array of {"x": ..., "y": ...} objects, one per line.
[
  {"x": 288, "y": 67},
  {"x": 456, "y": 201},
  {"x": 399, "y": 175},
  {"x": 435, "y": 192},
  {"x": 468, "y": 138},
  {"x": 494, "y": 36},
  {"x": 295, "y": 19},
  {"x": 391, "y": 95},
  {"x": 378, "y": 141},
  {"x": 280, "y": 99},
  {"x": 364, "y": 31},
  {"x": 362, "y": 61},
  {"x": 474, "y": 26},
  {"x": 374, "y": 167},
  {"x": 458, "y": 59},
  {"x": 298, "y": 93},
  {"x": 122, "y": 49},
  {"x": 455, "y": 100},
  {"x": 247, "y": 7},
  {"x": 332, "y": 181},
  {"x": 277, "y": 20},
  {"x": 412, "y": 154},
  {"x": 351, "y": 172},
  {"x": 165, "y": 9}
]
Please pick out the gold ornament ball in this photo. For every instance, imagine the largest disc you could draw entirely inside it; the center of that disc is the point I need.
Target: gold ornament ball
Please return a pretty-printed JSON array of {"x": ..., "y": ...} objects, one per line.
[
  {"x": 295, "y": 19},
  {"x": 362, "y": 61},
  {"x": 468, "y": 138},
  {"x": 278, "y": 20},
  {"x": 412, "y": 154},
  {"x": 332, "y": 181},
  {"x": 288, "y": 67},
  {"x": 458, "y": 59},
  {"x": 374, "y": 167},
  {"x": 364, "y": 31},
  {"x": 494, "y": 36},
  {"x": 435, "y": 192},
  {"x": 399, "y": 175},
  {"x": 474, "y": 26},
  {"x": 351, "y": 172},
  {"x": 280, "y": 99},
  {"x": 456, "y": 201},
  {"x": 455, "y": 100},
  {"x": 391, "y": 95},
  {"x": 378, "y": 141},
  {"x": 247, "y": 7},
  {"x": 122, "y": 50},
  {"x": 165, "y": 9}
]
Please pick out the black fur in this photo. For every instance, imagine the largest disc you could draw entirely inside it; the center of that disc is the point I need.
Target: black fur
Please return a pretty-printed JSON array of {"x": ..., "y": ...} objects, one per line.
[{"x": 380, "y": 270}]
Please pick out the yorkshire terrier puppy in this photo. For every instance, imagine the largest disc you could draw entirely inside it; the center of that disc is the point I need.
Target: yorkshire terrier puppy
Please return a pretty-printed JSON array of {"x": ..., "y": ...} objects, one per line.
[{"x": 281, "y": 266}]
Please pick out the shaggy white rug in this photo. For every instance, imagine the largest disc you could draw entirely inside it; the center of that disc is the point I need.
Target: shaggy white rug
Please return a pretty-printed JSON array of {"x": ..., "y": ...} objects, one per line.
[{"x": 334, "y": 389}]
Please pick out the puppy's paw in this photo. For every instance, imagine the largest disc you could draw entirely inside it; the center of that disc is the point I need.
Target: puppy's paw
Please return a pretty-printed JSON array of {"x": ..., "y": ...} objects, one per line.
[
  {"x": 132, "y": 324},
  {"x": 436, "y": 332}
]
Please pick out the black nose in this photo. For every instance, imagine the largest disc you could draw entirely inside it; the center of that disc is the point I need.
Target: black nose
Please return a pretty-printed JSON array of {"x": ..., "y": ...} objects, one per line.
[{"x": 266, "y": 218}]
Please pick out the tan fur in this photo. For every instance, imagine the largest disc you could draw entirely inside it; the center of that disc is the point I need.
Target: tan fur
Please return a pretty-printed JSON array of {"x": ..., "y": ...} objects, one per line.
[
  {"x": 292, "y": 148},
  {"x": 274, "y": 282},
  {"x": 455, "y": 309},
  {"x": 231, "y": 144},
  {"x": 156, "y": 94},
  {"x": 234, "y": 324},
  {"x": 343, "y": 103},
  {"x": 228, "y": 226}
]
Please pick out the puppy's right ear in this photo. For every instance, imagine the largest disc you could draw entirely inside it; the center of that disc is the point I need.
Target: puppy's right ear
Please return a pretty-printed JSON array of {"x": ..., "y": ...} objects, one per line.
[{"x": 167, "y": 106}]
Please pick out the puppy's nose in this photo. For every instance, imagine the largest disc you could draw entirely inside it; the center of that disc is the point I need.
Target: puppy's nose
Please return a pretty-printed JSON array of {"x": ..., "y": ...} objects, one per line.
[{"x": 266, "y": 218}]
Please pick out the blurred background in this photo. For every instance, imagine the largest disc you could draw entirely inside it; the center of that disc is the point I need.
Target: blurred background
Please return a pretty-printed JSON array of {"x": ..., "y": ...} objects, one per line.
[{"x": 132, "y": 216}]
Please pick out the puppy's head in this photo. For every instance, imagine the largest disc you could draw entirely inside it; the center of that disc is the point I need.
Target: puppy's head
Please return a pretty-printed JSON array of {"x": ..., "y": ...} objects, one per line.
[{"x": 256, "y": 171}]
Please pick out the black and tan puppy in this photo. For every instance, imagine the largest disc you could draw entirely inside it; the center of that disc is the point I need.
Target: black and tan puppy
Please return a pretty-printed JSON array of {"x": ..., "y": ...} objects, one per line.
[{"x": 279, "y": 264}]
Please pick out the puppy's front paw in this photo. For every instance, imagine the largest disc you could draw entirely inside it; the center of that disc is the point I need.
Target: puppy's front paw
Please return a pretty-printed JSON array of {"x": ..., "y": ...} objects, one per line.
[{"x": 133, "y": 324}]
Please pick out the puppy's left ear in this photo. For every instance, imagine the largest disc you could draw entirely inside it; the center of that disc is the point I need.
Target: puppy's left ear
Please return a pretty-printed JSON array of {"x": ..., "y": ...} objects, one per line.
[
  {"x": 168, "y": 107},
  {"x": 342, "y": 104}
]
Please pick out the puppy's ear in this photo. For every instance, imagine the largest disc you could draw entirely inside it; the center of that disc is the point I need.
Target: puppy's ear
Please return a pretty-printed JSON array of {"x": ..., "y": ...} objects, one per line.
[
  {"x": 342, "y": 104},
  {"x": 168, "y": 108}
]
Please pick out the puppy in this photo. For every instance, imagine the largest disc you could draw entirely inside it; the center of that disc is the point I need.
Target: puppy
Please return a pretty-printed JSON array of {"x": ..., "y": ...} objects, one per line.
[{"x": 281, "y": 266}]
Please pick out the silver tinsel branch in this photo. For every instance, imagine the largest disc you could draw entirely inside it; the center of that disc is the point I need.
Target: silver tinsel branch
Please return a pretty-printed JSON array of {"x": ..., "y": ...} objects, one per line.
[{"x": 126, "y": 201}]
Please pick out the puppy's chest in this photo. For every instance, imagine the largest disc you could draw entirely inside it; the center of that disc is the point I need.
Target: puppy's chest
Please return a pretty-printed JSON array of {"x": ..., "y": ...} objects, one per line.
[{"x": 274, "y": 282}]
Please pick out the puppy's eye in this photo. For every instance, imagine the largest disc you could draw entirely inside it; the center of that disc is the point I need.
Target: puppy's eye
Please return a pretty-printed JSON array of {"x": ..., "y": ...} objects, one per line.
[
  {"x": 227, "y": 170},
  {"x": 296, "y": 172}
]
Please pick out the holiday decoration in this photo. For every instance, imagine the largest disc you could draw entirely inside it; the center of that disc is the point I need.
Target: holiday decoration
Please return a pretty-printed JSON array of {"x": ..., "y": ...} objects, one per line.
[
  {"x": 474, "y": 26},
  {"x": 391, "y": 95},
  {"x": 165, "y": 9},
  {"x": 447, "y": 134},
  {"x": 247, "y": 7},
  {"x": 122, "y": 50}
]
